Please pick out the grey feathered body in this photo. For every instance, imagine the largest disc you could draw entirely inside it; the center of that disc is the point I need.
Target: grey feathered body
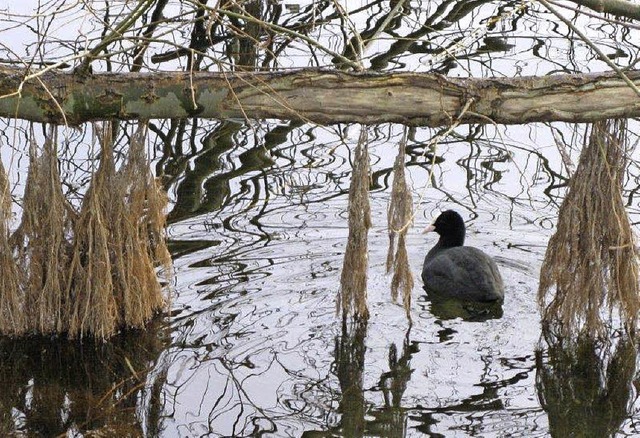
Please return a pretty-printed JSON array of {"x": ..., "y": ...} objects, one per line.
[{"x": 462, "y": 272}]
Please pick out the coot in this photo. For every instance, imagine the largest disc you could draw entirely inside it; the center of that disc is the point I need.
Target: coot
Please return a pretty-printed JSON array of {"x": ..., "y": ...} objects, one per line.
[{"x": 455, "y": 271}]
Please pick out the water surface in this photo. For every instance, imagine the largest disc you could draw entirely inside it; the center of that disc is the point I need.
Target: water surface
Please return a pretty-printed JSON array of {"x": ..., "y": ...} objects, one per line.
[{"x": 251, "y": 344}]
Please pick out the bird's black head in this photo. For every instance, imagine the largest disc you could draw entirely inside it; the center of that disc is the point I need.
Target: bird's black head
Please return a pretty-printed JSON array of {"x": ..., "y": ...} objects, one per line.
[{"x": 450, "y": 226}]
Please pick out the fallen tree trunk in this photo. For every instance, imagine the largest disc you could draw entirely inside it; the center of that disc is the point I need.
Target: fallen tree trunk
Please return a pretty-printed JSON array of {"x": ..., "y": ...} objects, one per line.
[{"x": 318, "y": 96}]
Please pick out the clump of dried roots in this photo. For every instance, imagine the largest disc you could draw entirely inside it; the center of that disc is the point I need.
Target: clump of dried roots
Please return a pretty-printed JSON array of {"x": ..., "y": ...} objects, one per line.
[
  {"x": 118, "y": 241},
  {"x": 12, "y": 315},
  {"x": 592, "y": 258},
  {"x": 399, "y": 219},
  {"x": 41, "y": 240},
  {"x": 89, "y": 273},
  {"x": 353, "y": 281}
]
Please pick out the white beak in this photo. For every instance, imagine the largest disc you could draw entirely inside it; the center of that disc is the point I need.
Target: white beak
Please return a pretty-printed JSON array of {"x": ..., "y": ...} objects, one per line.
[{"x": 429, "y": 229}]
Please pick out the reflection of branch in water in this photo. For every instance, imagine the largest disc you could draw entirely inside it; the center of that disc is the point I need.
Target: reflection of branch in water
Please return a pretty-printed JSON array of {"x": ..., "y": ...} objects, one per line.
[
  {"x": 228, "y": 401},
  {"x": 206, "y": 162},
  {"x": 478, "y": 405},
  {"x": 391, "y": 420},
  {"x": 349, "y": 367},
  {"x": 206, "y": 187},
  {"x": 447, "y": 43},
  {"x": 242, "y": 400},
  {"x": 586, "y": 388}
]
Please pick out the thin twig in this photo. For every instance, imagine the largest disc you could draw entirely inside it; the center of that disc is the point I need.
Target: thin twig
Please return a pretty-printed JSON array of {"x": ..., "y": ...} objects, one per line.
[
  {"x": 116, "y": 34},
  {"x": 359, "y": 50}
]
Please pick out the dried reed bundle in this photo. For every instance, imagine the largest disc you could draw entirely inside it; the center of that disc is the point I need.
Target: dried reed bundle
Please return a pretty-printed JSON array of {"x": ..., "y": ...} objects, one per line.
[
  {"x": 119, "y": 241},
  {"x": 140, "y": 243},
  {"x": 105, "y": 279},
  {"x": 43, "y": 249},
  {"x": 12, "y": 315},
  {"x": 399, "y": 219},
  {"x": 353, "y": 281},
  {"x": 591, "y": 259},
  {"x": 95, "y": 310}
]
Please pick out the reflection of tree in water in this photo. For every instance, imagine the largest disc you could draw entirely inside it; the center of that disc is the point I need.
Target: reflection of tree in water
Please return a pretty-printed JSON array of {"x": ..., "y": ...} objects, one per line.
[
  {"x": 54, "y": 387},
  {"x": 221, "y": 156},
  {"x": 349, "y": 367},
  {"x": 481, "y": 410},
  {"x": 391, "y": 419},
  {"x": 586, "y": 388},
  {"x": 243, "y": 44}
]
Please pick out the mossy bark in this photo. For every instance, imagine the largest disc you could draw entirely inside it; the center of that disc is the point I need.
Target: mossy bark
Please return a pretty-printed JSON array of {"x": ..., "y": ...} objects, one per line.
[{"x": 318, "y": 96}]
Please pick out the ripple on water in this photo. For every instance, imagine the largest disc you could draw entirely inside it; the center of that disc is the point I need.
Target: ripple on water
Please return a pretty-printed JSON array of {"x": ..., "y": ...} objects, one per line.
[{"x": 259, "y": 345}]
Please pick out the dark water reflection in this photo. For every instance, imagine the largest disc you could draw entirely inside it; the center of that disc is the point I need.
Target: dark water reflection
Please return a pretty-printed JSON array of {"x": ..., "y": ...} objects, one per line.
[
  {"x": 587, "y": 388},
  {"x": 55, "y": 387},
  {"x": 445, "y": 308}
]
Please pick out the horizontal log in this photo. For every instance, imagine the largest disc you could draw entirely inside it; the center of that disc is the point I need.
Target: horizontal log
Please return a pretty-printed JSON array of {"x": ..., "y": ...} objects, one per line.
[{"x": 318, "y": 96}]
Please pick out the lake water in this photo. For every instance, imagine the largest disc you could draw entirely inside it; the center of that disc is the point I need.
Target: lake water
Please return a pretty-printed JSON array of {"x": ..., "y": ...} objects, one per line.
[
  {"x": 251, "y": 344},
  {"x": 256, "y": 310},
  {"x": 264, "y": 341}
]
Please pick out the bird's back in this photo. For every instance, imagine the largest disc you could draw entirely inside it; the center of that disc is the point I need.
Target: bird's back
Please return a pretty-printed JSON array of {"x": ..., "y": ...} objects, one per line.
[{"x": 463, "y": 272}]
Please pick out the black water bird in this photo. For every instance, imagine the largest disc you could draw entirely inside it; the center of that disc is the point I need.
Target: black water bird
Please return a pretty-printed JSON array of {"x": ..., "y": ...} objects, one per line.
[{"x": 452, "y": 270}]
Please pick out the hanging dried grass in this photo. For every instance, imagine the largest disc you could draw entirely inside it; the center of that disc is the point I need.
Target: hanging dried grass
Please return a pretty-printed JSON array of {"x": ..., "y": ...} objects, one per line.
[
  {"x": 119, "y": 239},
  {"x": 12, "y": 315},
  {"x": 140, "y": 241},
  {"x": 105, "y": 278},
  {"x": 399, "y": 219},
  {"x": 592, "y": 259},
  {"x": 95, "y": 308},
  {"x": 41, "y": 239},
  {"x": 353, "y": 281}
]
